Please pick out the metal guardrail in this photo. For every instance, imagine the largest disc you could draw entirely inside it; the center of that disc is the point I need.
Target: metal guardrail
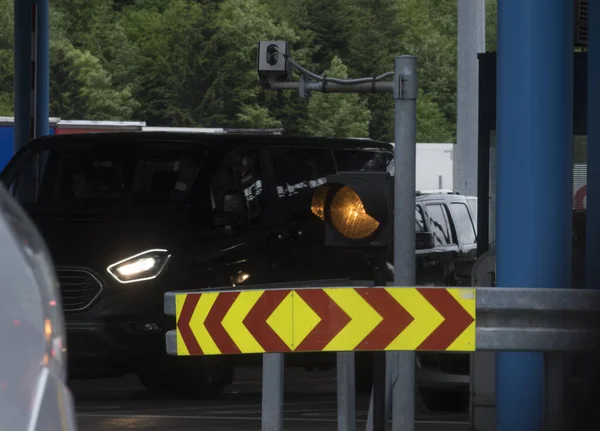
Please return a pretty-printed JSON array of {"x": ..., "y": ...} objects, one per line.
[{"x": 507, "y": 319}]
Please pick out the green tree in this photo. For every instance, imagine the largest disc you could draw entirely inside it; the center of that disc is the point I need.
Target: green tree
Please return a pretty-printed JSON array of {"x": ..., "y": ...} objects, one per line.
[
  {"x": 231, "y": 89},
  {"x": 6, "y": 58},
  {"x": 337, "y": 115},
  {"x": 491, "y": 17},
  {"x": 81, "y": 88}
]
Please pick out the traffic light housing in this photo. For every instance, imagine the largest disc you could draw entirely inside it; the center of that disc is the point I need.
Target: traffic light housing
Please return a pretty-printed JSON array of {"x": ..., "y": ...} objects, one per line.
[{"x": 357, "y": 209}]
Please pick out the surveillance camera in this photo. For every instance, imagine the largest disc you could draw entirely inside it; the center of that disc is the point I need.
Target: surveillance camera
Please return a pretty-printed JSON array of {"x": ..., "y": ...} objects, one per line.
[{"x": 273, "y": 64}]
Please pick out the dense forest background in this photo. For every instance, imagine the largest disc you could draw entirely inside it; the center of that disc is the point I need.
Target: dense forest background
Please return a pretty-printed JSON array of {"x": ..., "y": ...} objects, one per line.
[{"x": 193, "y": 62}]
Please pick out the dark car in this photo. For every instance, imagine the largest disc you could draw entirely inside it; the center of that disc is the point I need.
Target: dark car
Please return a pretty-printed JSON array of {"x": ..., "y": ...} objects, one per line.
[
  {"x": 446, "y": 252},
  {"x": 130, "y": 216}
]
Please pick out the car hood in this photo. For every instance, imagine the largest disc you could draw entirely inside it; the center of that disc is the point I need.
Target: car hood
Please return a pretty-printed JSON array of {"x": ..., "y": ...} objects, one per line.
[{"x": 97, "y": 242}]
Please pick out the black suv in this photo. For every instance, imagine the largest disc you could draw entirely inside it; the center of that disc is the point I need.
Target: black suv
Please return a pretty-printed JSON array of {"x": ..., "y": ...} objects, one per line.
[{"x": 130, "y": 216}]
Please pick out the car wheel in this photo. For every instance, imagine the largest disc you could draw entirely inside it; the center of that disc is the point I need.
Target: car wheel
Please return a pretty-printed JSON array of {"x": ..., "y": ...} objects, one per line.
[{"x": 445, "y": 400}]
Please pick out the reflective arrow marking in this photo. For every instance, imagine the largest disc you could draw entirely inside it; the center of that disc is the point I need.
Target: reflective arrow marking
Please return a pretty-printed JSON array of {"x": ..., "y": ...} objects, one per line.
[
  {"x": 189, "y": 345},
  {"x": 395, "y": 319},
  {"x": 214, "y": 319},
  {"x": 466, "y": 340},
  {"x": 363, "y": 319},
  {"x": 456, "y": 319},
  {"x": 426, "y": 319},
  {"x": 256, "y": 321},
  {"x": 234, "y": 321},
  {"x": 332, "y": 319},
  {"x": 204, "y": 337}
]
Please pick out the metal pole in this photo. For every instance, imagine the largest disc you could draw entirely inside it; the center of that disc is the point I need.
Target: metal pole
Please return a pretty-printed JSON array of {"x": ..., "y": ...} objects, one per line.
[
  {"x": 346, "y": 395},
  {"x": 405, "y": 149},
  {"x": 470, "y": 41},
  {"x": 332, "y": 87},
  {"x": 272, "y": 392}
]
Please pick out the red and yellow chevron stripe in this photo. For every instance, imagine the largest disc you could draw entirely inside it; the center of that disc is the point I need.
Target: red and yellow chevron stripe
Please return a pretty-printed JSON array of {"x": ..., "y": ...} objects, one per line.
[{"x": 325, "y": 319}]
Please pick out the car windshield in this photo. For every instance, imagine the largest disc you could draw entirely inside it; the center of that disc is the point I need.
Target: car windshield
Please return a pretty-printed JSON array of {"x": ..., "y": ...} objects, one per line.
[{"x": 110, "y": 176}]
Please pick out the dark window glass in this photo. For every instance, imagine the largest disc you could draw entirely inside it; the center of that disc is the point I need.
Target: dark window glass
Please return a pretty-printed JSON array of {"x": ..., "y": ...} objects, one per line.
[
  {"x": 362, "y": 161},
  {"x": 110, "y": 175},
  {"x": 419, "y": 220},
  {"x": 237, "y": 186},
  {"x": 27, "y": 185},
  {"x": 297, "y": 173},
  {"x": 439, "y": 223},
  {"x": 464, "y": 224}
]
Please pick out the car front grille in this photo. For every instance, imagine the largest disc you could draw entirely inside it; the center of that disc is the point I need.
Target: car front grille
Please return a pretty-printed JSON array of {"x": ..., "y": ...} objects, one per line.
[{"x": 78, "y": 287}]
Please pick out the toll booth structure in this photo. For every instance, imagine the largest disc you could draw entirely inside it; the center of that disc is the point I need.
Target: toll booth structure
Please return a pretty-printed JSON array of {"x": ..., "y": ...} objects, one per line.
[
  {"x": 487, "y": 172},
  {"x": 483, "y": 366}
]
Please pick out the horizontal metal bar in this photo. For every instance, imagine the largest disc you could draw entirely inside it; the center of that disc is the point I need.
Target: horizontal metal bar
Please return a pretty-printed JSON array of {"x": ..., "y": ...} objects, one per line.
[
  {"x": 567, "y": 300},
  {"x": 332, "y": 87},
  {"x": 507, "y": 319},
  {"x": 536, "y": 339}
]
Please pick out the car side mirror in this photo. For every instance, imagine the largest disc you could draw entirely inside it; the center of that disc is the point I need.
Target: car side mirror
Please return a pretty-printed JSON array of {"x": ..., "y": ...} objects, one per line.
[{"x": 424, "y": 240}]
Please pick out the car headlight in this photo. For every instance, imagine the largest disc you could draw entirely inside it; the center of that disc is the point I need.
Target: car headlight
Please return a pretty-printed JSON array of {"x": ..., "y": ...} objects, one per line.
[{"x": 140, "y": 267}]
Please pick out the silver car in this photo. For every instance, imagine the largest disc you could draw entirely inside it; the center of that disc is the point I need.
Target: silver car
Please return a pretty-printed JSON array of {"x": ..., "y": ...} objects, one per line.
[{"x": 33, "y": 390}]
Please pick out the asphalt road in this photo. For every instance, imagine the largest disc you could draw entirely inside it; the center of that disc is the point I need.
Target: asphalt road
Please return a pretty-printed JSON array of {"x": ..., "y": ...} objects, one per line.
[{"x": 310, "y": 401}]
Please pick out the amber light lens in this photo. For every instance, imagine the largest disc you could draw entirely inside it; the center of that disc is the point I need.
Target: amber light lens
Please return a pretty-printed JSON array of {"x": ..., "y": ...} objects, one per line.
[
  {"x": 317, "y": 205},
  {"x": 349, "y": 217}
]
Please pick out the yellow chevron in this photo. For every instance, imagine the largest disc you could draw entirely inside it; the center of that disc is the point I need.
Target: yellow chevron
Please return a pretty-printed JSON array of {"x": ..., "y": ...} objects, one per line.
[
  {"x": 181, "y": 349},
  {"x": 233, "y": 321},
  {"x": 427, "y": 319},
  {"x": 467, "y": 299},
  {"x": 363, "y": 319},
  {"x": 207, "y": 344}
]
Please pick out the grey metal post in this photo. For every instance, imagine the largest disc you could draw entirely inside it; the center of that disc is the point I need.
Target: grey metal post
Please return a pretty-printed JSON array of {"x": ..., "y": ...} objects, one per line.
[
  {"x": 272, "y": 392},
  {"x": 346, "y": 395},
  {"x": 471, "y": 41},
  {"x": 405, "y": 152}
]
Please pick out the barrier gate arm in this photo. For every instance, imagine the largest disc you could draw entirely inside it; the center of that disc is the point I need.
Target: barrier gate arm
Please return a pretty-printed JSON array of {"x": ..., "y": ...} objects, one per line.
[
  {"x": 286, "y": 318},
  {"x": 507, "y": 319}
]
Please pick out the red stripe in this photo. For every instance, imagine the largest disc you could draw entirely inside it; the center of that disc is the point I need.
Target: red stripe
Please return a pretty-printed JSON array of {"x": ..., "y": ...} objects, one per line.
[
  {"x": 333, "y": 320},
  {"x": 256, "y": 321},
  {"x": 214, "y": 323},
  {"x": 183, "y": 324},
  {"x": 395, "y": 319},
  {"x": 456, "y": 319}
]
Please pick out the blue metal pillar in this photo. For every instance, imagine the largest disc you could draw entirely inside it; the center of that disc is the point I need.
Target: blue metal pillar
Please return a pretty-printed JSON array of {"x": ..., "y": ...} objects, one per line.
[
  {"x": 534, "y": 185},
  {"x": 31, "y": 58},
  {"x": 42, "y": 89},
  {"x": 592, "y": 253},
  {"x": 22, "y": 59}
]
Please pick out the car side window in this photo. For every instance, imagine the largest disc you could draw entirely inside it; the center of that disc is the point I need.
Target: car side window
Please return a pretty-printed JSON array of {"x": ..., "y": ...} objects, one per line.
[
  {"x": 439, "y": 223},
  {"x": 237, "y": 186},
  {"x": 419, "y": 219},
  {"x": 363, "y": 161},
  {"x": 25, "y": 186},
  {"x": 464, "y": 223},
  {"x": 298, "y": 171}
]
